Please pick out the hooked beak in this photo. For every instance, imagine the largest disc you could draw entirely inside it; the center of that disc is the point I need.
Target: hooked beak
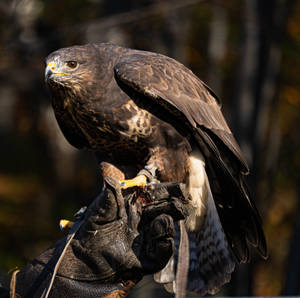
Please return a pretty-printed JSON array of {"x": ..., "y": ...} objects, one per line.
[{"x": 51, "y": 69}]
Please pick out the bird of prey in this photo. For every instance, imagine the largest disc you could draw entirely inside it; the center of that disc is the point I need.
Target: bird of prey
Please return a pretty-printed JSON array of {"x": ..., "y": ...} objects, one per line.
[{"x": 147, "y": 116}]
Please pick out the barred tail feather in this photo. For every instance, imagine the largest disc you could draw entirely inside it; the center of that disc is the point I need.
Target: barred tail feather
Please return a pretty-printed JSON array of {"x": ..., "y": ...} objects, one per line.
[{"x": 211, "y": 259}]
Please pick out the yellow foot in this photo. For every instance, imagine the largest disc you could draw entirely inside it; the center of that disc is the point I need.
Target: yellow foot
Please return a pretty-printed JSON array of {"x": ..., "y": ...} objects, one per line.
[
  {"x": 65, "y": 224},
  {"x": 138, "y": 181}
]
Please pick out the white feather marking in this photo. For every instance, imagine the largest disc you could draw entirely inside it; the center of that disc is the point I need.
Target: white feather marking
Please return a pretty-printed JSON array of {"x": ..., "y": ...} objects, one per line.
[
  {"x": 197, "y": 189},
  {"x": 166, "y": 275},
  {"x": 134, "y": 119}
]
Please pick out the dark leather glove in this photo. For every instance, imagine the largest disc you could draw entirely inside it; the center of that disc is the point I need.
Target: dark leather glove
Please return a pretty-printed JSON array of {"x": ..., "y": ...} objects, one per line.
[{"x": 120, "y": 241}]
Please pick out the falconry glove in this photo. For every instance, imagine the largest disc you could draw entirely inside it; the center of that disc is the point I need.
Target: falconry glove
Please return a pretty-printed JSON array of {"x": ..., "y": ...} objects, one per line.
[{"x": 119, "y": 242}]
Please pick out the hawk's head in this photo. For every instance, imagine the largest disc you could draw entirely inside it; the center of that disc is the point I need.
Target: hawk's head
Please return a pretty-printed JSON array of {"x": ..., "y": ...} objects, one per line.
[{"x": 77, "y": 68}]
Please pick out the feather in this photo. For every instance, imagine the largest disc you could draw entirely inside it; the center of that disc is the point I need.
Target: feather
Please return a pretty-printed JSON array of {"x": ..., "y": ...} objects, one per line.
[{"x": 211, "y": 259}]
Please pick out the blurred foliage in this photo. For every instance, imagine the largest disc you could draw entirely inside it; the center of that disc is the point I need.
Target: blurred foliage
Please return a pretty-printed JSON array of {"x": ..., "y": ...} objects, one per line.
[{"x": 43, "y": 179}]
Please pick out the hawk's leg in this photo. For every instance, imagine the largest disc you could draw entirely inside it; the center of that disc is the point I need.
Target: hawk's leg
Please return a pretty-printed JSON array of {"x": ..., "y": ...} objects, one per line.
[
  {"x": 143, "y": 178},
  {"x": 146, "y": 175},
  {"x": 118, "y": 173},
  {"x": 138, "y": 181},
  {"x": 164, "y": 165}
]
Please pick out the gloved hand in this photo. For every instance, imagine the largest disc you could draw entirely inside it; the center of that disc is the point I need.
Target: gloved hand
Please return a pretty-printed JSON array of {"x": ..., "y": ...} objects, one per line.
[{"x": 120, "y": 241}]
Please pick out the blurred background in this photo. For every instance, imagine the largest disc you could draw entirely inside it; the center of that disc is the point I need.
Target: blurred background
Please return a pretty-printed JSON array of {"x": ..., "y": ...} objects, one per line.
[{"x": 248, "y": 51}]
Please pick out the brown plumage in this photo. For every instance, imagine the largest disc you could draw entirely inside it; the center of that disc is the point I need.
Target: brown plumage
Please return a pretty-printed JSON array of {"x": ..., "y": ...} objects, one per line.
[{"x": 137, "y": 110}]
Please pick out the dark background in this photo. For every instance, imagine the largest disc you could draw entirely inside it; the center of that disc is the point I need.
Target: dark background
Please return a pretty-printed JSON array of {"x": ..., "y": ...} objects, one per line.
[{"x": 247, "y": 51}]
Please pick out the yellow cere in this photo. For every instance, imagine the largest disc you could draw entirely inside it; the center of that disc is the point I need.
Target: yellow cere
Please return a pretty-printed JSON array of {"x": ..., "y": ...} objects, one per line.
[{"x": 52, "y": 66}]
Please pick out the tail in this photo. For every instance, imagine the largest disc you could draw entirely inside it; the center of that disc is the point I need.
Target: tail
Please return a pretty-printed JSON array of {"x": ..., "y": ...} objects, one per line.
[{"x": 211, "y": 259}]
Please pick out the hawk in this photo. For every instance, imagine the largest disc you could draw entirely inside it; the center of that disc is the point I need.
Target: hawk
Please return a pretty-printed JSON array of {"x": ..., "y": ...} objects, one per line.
[{"x": 147, "y": 116}]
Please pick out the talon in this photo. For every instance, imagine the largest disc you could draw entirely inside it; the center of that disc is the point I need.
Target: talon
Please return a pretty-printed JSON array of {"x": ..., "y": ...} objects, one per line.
[
  {"x": 65, "y": 224},
  {"x": 138, "y": 181}
]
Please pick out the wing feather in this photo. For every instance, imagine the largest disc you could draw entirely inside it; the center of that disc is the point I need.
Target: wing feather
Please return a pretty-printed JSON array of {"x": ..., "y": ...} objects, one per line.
[
  {"x": 172, "y": 85},
  {"x": 162, "y": 84}
]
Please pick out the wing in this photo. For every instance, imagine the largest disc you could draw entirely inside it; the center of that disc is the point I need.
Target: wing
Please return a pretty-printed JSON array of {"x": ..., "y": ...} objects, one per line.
[
  {"x": 172, "y": 92},
  {"x": 170, "y": 84}
]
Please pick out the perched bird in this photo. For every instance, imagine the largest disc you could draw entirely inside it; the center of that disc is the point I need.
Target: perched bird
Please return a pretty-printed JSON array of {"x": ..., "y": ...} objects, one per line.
[{"x": 146, "y": 115}]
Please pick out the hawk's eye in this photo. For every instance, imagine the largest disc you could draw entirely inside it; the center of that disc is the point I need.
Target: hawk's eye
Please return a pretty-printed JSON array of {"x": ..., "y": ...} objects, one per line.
[{"x": 71, "y": 64}]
